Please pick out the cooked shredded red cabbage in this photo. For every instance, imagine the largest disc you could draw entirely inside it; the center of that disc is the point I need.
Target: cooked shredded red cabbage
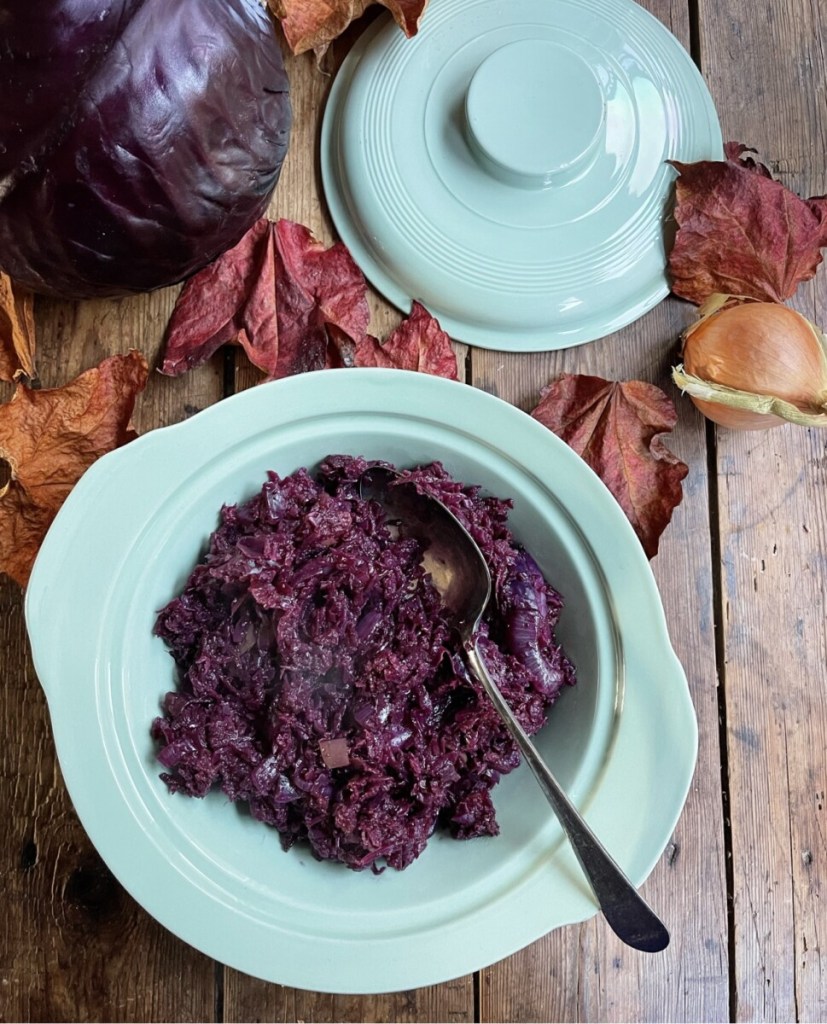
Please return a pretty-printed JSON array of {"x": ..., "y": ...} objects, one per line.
[{"x": 320, "y": 680}]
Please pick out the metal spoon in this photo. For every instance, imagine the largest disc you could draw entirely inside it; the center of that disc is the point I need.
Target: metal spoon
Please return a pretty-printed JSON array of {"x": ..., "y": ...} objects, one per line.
[{"x": 460, "y": 574}]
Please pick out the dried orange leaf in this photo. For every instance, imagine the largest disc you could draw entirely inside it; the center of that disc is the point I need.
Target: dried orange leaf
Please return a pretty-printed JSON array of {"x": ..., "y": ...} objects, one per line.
[
  {"x": 49, "y": 438},
  {"x": 314, "y": 24},
  {"x": 615, "y": 427},
  {"x": 16, "y": 331}
]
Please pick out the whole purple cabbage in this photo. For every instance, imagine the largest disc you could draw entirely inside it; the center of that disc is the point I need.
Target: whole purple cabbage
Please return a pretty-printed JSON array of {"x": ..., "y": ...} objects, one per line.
[
  {"x": 321, "y": 682},
  {"x": 138, "y": 138}
]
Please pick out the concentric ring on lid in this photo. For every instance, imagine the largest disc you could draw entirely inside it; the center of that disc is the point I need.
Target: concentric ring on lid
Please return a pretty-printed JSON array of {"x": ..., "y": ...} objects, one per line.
[{"x": 507, "y": 166}]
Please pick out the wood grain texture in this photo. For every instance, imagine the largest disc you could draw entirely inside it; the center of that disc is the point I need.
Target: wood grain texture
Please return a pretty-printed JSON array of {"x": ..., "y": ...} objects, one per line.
[
  {"x": 773, "y": 542},
  {"x": 73, "y": 944},
  {"x": 249, "y": 1000}
]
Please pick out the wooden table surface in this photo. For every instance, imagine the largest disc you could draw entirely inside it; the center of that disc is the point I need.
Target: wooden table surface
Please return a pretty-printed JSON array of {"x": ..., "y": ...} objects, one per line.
[{"x": 742, "y": 571}]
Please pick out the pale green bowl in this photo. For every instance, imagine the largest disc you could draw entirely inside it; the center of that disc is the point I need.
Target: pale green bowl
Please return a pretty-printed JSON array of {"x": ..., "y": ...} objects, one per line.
[{"x": 623, "y": 740}]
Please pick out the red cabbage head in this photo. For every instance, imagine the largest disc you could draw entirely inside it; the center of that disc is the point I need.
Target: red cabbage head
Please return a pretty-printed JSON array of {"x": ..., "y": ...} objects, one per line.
[{"x": 138, "y": 138}]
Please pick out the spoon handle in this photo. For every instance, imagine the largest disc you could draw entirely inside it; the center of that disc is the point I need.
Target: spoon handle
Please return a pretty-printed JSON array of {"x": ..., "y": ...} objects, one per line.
[{"x": 627, "y": 913}]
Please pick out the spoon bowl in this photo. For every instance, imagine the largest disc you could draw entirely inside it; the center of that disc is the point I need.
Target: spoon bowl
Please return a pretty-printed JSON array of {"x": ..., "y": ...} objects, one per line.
[{"x": 460, "y": 574}]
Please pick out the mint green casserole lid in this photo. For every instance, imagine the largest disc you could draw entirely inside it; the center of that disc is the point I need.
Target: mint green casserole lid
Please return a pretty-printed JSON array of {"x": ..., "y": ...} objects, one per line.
[{"x": 507, "y": 166}]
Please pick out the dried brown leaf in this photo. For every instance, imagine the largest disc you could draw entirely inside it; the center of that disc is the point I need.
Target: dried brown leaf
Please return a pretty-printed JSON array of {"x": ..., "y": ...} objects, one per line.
[
  {"x": 17, "y": 336},
  {"x": 314, "y": 24},
  {"x": 49, "y": 438}
]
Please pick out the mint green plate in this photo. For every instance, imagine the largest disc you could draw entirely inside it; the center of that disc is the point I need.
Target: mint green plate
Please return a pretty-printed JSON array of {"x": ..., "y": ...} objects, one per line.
[
  {"x": 507, "y": 165},
  {"x": 623, "y": 741}
]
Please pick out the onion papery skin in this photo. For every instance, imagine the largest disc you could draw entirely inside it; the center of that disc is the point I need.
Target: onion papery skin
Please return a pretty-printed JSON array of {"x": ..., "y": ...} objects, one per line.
[{"x": 754, "y": 365}]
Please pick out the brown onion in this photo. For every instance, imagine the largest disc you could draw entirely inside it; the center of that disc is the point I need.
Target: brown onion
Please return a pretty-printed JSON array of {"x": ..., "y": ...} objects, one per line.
[{"x": 752, "y": 365}]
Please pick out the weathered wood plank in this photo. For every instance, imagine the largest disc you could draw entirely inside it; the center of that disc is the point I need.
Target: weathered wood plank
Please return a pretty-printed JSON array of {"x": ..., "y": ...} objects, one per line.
[
  {"x": 766, "y": 66},
  {"x": 583, "y": 972},
  {"x": 73, "y": 944},
  {"x": 248, "y": 1000}
]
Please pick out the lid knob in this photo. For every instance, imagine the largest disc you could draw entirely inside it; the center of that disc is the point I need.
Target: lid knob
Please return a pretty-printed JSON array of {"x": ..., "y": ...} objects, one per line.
[{"x": 535, "y": 113}]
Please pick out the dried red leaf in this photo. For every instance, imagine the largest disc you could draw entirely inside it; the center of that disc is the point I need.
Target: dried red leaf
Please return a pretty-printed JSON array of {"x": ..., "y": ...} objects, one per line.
[
  {"x": 49, "y": 438},
  {"x": 321, "y": 301},
  {"x": 314, "y": 24},
  {"x": 291, "y": 303},
  {"x": 231, "y": 299},
  {"x": 418, "y": 343},
  {"x": 615, "y": 427},
  {"x": 16, "y": 331},
  {"x": 740, "y": 232},
  {"x": 738, "y": 153}
]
